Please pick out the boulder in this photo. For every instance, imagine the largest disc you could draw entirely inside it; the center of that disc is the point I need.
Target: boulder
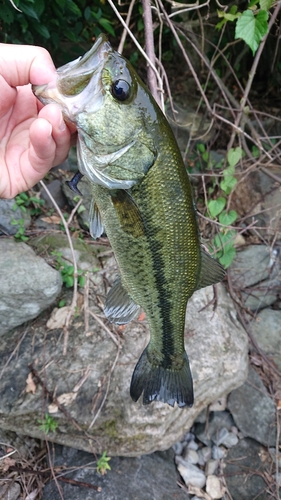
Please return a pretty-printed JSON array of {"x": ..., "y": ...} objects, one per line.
[
  {"x": 93, "y": 378},
  {"x": 28, "y": 285}
]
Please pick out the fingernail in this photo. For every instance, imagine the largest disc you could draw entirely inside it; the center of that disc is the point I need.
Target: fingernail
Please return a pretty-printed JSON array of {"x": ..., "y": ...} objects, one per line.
[{"x": 62, "y": 125}]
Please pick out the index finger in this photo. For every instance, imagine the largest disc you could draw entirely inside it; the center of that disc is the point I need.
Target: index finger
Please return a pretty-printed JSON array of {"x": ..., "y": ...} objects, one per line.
[{"x": 23, "y": 64}]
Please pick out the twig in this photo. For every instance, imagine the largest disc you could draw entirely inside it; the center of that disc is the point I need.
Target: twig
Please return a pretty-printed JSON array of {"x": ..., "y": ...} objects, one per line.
[
  {"x": 53, "y": 398},
  {"x": 252, "y": 74},
  {"x": 107, "y": 388},
  {"x": 14, "y": 352},
  {"x": 75, "y": 274},
  {"x": 124, "y": 34},
  {"x": 159, "y": 79},
  {"x": 104, "y": 327},
  {"x": 149, "y": 47}
]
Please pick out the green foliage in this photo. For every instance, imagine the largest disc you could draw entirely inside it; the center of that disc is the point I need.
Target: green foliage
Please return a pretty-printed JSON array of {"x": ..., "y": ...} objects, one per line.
[
  {"x": 223, "y": 241},
  {"x": 24, "y": 202},
  {"x": 19, "y": 236},
  {"x": 67, "y": 271},
  {"x": 60, "y": 26},
  {"x": 103, "y": 465},
  {"x": 251, "y": 24},
  {"x": 48, "y": 424}
]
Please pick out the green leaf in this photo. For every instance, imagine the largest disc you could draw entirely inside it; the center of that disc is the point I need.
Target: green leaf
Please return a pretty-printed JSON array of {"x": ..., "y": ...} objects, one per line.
[
  {"x": 228, "y": 184},
  {"x": 42, "y": 30},
  {"x": 74, "y": 8},
  {"x": 201, "y": 147},
  {"x": 29, "y": 11},
  {"x": 227, "y": 258},
  {"x": 216, "y": 206},
  {"x": 227, "y": 218},
  {"x": 107, "y": 26},
  {"x": 7, "y": 14},
  {"x": 252, "y": 28},
  {"x": 266, "y": 4},
  {"x": 234, "y": 155}
]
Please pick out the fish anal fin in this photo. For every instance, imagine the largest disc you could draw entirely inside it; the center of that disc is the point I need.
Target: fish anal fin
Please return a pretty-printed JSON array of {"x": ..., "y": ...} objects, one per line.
[
  {"x": 128, "y": 213},
  {"x": 158, "y": 383},
  {"x": 119, "y": 307},
  {"x": 211, "y": 271}
]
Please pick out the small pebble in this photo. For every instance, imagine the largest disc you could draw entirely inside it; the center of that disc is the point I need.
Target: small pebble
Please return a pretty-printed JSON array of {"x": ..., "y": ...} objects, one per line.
[
  {"x": 234, "y": 430},
  {"x": 214, "y": 488},
  {"x": 206, "y": 453},
  {"x": 191, "y": 474},
  {"x": 230, "y": 440},
  {"x": 219, "y": 437},
  {"x": 190, "y": 456},
  {"x": 193, "y": 445},
  {"x": 211, "y": 467},
  {"x": 178, "y": 447},
  {"x": 218, "y": 452}
]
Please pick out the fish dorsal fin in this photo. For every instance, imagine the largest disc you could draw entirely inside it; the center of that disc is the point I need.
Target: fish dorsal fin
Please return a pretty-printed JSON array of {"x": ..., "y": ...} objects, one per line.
[
  {"x": 119, "y": 307},
  {"x": 211, "y": 271},
  {"x": 128, "y": 213},
  {"x": 95, "y": 222}
]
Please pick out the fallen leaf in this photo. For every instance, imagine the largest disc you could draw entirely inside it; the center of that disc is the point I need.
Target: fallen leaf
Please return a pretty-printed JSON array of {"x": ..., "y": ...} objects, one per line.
[
  {"x": 58, "y": 318},
  {"x": 194, "y": 490},
  {"x": 64, "y": 399},
  {"x": 279, "y": 404},
  {"x": 30, "y": 385},
  {"x": 52, "y": 219},
  {"x": 7, "y": 463}
]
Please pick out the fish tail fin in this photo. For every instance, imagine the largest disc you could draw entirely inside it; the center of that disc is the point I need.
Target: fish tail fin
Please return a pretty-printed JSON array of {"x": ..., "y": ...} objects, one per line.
[{"x": 162, "y": 384}]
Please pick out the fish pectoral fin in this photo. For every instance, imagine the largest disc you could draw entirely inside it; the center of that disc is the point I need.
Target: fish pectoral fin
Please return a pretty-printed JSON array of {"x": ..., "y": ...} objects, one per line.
[
  {"x": 128, "y": 213},
  {"x": 211, "y": 271},
  {"x": 158, "y": 383},
  {"x": 95, "y": 223},
  {"x": 119, "y": 307}
]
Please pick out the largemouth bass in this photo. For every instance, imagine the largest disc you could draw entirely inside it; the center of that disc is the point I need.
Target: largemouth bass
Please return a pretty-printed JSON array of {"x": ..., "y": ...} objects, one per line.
[{"x": 142, "y": 197}]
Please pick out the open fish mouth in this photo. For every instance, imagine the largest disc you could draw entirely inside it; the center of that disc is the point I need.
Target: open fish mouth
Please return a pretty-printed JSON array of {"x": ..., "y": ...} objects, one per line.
[{"x": 76, "y": 81}]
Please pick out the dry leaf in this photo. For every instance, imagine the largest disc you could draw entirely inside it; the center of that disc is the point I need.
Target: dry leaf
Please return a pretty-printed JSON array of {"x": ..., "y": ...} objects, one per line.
[
  {"x": 141, "y": 316},
  {"x": 279, "y": 404},
  {"x": 52, "y": 219},
  {"x": 7, "y": 463},
  {"x": 58, "y": 318},
  {"x": 64, "y": 399},
  {"x": 194, "y": 490},
  {"x": 30, "y": 385}
]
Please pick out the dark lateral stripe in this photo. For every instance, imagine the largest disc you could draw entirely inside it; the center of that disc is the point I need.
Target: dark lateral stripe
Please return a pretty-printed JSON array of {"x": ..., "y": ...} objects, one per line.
[{"x": 165, "y": 297}]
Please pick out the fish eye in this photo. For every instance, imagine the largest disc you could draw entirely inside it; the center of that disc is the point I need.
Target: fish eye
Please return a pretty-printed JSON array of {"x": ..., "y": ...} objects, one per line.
[{"x": 121, "y": 90}]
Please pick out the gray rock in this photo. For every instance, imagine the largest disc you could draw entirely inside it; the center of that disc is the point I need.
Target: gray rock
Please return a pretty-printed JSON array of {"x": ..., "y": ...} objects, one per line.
[
  {"x": 191, "y": 474},
  {"x": 27, "y": 284},
  {"x": 250, "y": 266},
  {"x": 230, "y": 440},
  {"x": 253, "y": 410},
  {"x": 148, "y": 477},
  {"x": 205, "y": 453},
  {"x": 7, "y": 215},
  {"x": 193, "y": 445},
  {"x": 243, "y": 471},
  {"x": 10, "y": 491},
  {"x": 55, "y": 188},
  {"x": 214, "y": 487},
  {"x": 219, "y": 437},
  {"x": 218, "y": 452},
  {"x": 266, "y": 330},
  {"x": 190, "y": 456},
  {"x": 253, "y": 273},
  {"x": 208, "y": 433},
  {"x": 178, "y": 448},
  {"x": 211, "y": 467},
  {"x": 217, "y": 351}
]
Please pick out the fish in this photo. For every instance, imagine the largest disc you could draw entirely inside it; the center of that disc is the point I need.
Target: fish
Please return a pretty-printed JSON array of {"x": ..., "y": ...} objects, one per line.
[{"x": 143, "y": 200}]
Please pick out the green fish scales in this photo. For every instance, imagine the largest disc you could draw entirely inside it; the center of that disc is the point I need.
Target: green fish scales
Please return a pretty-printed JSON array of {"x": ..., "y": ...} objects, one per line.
[{"x": 143, "y": 198}]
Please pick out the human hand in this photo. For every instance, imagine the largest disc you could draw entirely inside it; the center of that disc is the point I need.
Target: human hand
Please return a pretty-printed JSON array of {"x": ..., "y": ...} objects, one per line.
[{"x": 33, "y": 139}]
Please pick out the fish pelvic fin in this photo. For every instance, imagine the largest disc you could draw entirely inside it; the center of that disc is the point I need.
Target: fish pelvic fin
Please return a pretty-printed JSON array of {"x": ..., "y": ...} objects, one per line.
[
  {"x": 119, "y": 306},
  {"x": 158, "y": 383}
]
